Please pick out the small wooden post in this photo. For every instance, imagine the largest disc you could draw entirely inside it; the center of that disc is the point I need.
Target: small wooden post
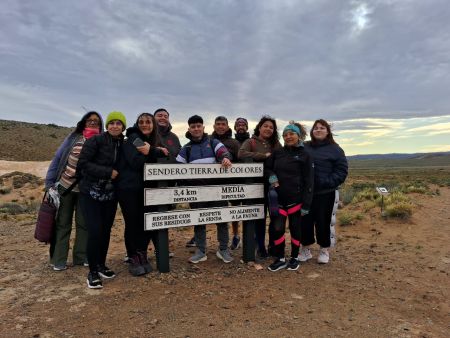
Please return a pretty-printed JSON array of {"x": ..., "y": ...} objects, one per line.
[{"x": 248, "y": 228}]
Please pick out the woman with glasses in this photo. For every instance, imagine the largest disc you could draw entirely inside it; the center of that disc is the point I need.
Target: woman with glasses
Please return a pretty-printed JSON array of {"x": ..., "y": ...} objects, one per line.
[
  {"x": 61, "y": 176},
  {"x": 142, "y": 146},
  {"x": 259, "y": 147},
  {"x": 98, "y": 169}
]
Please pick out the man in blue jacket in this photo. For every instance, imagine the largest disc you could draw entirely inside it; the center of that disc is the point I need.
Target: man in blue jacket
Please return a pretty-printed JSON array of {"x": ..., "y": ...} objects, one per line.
[{"x": 203, "y": 149}]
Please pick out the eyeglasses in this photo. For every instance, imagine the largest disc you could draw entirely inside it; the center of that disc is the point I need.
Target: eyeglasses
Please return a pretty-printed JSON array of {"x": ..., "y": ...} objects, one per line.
[{"x": 93, "y": 122}]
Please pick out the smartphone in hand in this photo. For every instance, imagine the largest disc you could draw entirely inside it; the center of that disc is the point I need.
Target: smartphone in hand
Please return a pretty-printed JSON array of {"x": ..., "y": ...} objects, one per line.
[{"x": 138, "y": 142}]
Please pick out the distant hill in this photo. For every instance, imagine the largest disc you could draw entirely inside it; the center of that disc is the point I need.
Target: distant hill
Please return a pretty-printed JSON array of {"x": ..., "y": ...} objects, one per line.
[
  {"x": 23, "y": 141},
  {"x": 438, "y": 159}
]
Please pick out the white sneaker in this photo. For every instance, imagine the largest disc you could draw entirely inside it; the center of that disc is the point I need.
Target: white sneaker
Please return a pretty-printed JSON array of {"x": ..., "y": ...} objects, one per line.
[
  {"x": 304, "y": 254},
  {"x": 324, "y": 256}
]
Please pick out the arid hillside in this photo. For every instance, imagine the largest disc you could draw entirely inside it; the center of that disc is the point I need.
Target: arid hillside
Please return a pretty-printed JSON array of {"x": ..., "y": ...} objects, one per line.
[{"x": 23, "y": 141}]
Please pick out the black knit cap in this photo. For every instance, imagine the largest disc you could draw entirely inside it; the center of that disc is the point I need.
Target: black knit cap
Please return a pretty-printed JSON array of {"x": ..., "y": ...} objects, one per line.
[{"x": 195, "y": 119}]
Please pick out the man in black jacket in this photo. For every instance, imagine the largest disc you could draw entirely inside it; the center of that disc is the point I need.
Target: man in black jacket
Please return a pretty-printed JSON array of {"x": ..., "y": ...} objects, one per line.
[{"x": 168, "y": 139}]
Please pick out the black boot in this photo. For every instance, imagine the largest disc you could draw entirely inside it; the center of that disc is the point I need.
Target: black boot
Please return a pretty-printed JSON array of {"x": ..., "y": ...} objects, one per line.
[
  {"x": 135, "y": 267},
  {"x": 144, "y": 261}
]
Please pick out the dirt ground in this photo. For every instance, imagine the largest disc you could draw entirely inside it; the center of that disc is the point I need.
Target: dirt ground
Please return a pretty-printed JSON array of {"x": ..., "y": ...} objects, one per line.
[{"x": 386, "y": 278}]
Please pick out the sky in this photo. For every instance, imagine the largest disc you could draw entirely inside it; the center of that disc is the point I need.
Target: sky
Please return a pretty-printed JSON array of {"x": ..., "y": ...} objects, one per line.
[{"x": 378, "y": 71}]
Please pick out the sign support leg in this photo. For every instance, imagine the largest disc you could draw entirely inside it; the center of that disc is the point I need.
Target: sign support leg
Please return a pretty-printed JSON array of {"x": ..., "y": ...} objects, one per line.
[
  {"x": 248, "y": 241},
  {"x": 161, "y": 241}
]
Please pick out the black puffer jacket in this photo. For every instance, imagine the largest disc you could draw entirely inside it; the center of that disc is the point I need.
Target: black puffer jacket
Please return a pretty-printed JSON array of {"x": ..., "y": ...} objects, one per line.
[
  {"x": 98, "y": 158},
  {"x": 170, "y": 141},
  {"x": 293, "y": 167},
  {"x": 131, "y": 161},
  {"x": 330, "y": 166}
]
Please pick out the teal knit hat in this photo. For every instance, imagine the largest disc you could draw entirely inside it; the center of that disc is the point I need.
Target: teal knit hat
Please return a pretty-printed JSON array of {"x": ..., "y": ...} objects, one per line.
[
  {"x": 293, "y": 128},
  {"x": 116, "y": 115}
]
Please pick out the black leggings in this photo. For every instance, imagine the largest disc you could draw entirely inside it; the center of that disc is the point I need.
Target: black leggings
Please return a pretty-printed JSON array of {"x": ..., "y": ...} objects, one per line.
[
  {"x": 319, "y": 218},
  {"x": 279, "y": 227},
  {"x": 132, "y": 205},
  {"x": 99, "y": 218}
]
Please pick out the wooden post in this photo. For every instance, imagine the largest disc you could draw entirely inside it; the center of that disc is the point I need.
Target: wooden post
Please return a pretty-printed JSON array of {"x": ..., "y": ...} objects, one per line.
[{"x": 161, "y": 237}]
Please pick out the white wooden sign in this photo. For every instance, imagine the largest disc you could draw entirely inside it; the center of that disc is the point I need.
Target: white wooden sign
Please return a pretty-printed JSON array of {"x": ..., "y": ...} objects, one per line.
[
  {"x": 179, "y": 218},
  {"x": 204, "y": 193},
  {"x": 156, "y": 172},
  {"x": 382, "y": 190}
]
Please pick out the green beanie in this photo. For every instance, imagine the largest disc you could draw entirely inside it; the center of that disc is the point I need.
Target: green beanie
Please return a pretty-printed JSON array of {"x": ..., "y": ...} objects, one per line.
[{"x": 116, "y": 115}]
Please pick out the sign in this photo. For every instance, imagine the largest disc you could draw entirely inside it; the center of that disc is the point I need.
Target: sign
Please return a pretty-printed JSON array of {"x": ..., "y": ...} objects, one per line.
[
  {"x": 179, "y": 218},
  {"x": 156, "y": 172},
  {"x": 204, "y": 193},
  {"x": 382, "y": 191}
]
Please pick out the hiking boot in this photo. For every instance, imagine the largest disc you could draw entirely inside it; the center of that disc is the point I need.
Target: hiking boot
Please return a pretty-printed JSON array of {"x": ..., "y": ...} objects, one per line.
[
  {"x": 106, "y": 272},
  {"x": 135, "y": 267},
  {"x": 304, "y": 254},
  {"x": 293, "y": 264},
  {"x": 144, "y": 261},
  {"x": 93, "y": 280},
  {"x": 59, "y": 267},
  {"x": 235, "y": 242},
  {"x": 224, "y": 255},
  {"x": 324, "y": 256},
  {"x": 199, "y": 256},
  {"x": 278, "y": 264},
  {"x": 191, "y": 243}
]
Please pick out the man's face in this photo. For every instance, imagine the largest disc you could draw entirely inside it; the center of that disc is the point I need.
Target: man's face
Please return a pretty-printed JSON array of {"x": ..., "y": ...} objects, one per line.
[
  {"x": 196, "y": 130},
  {"x": 162, "y": 118},
  {"x": 241, "y": 127},
  {"x": 221, "y": 127}
]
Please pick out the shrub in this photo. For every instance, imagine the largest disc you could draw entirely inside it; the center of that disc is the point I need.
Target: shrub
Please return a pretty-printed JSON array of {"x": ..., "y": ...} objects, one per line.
[
  {"x": 12, "y": 208},
  {"x": 5, "y": 190},
  {"x": 401, "y": 210},
  {"x": 346, "y": 194},
  {"x": 367, "y": 194},
  {"x": 345, "y": 218}
]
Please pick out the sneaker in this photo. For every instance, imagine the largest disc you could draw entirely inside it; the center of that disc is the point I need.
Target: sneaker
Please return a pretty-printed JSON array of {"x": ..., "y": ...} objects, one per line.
[
  {"x": 135, "y": 267},
  {"x": 324, "y": 256},
  {"x": 191, "y": 243},
  {"x": 304, "y": 254},
  {"x": 85, "y": 264},
  {"x": 235, "y": 242},
  {"x": 127, "y": 259},
  {"x": 224, "y": 255},
  {"x": 278, "y": 264},
  {"x": 106, "y": 272},
  {"x": 199, "y": 256},
  {"x": 59, "y": 267},
  {"x": 93, "y": 280},
  {"x": 293, "y": 264}
]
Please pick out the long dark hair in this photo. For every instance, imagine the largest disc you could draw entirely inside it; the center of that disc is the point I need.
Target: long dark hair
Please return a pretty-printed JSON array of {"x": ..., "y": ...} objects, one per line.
[
  {"x": 154, "y": 137},
  {"x": 326, "y": 125},
  {"x": 274, "y": 138},
  {"x": 81, "y": 125}
]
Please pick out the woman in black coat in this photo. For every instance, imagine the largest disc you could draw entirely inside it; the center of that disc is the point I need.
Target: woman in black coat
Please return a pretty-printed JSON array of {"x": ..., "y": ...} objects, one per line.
[
  {"x": 97, "y": 167},
  {"x": 142, "y": 146},
  {"x": 290, "y": 172},
  {"x": 330, "y": 171}
]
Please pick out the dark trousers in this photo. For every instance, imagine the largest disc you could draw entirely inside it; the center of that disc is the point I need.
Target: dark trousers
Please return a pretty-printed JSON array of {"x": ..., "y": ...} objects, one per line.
[
  {"x": 132, "y": 204},
  {"x": 279, "y": 227},
  {"x": 99, "y": 218},
  {"x": 318, "y": 219}
]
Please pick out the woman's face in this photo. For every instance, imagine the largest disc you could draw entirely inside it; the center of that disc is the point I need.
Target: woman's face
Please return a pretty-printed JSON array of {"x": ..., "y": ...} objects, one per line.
[
  {"x": 145, "y": 125},
  {"x": 115, "y": 128},
  {"x": 266, "y": 130},
  {"x": 93, "y": 121},
  {"x": 320, "y": 132},
  {"x": 290, "y": 138}
]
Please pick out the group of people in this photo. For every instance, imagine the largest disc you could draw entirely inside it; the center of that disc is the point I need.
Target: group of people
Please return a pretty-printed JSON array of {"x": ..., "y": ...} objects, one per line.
[{"x": 94, "y": 170}]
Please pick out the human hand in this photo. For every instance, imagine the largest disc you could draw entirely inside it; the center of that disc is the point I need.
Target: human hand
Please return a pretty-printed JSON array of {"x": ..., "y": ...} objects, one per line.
[
  {"x": 164, "y": 150},
  {"x": 145, "y": 149},
  {"x": 226, "y": 163},
  {"x": 114, "y": 174}
]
